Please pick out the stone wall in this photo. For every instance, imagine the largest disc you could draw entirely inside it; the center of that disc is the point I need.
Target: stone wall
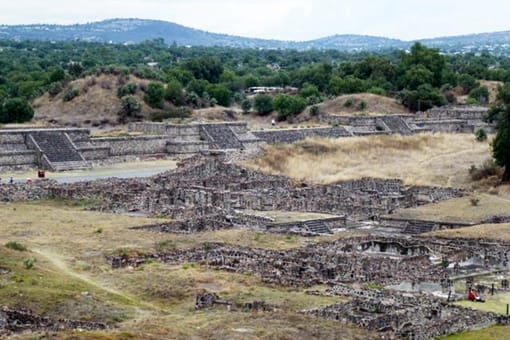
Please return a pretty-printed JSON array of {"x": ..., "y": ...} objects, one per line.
[
  {"x": 293, "y": 135},
  {"x": 20, "y": 320}
]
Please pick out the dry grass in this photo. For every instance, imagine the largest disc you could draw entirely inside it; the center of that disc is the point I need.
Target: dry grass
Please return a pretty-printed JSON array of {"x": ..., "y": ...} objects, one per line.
[
  {"x": 483, "y": 231},
  {"x": 288, "y": 216},
  {"x": 493, "y": 88},
  {"x": 375, "y": 105},
  {"x": 424, "y": 159},
  {"x": 153, "y": 301},
  {"x": 492, "y": 333},
  {"x": 460, "y": 209},
  {"x": 97, "y": 101}
]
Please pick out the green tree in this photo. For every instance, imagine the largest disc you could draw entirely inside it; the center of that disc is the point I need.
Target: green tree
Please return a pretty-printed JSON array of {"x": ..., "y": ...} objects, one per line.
[
  {"x": 480, "y": 94},
  {"x": 58, "y": 74},
  {"x": 422, "y": 99},
  {"x": 288, "y": 106},
  {"x": 16, "y": 110},
  {"x": 263, "y": 104},
  {"x": 246, "y": 105},
  {"x": 175, "y": 93},
  {"x": 467, "y": 82},
  {"x": 309, "y": 90},
  {"x": 501, "y": 144},
  {"x": 219, "y": 92},
  {"x": 130, "y": 107},
  {"x": 154, "y": 95},
  {"x": 428, "y": 58}
]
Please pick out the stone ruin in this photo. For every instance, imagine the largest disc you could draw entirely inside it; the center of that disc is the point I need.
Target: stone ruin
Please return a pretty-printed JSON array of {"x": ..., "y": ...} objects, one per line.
[
  {"x": 416, "y": 317},
  {"x": 208, "y": 190},
  {"x": 349, "y": 265},
  {"x": 19, "y": 320},
  {"x": 371, "y": 260},
  {"x": 67, "y": 149}
]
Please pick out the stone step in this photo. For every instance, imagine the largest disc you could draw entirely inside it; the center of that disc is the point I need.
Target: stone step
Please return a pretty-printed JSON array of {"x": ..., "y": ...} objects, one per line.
[
  {"x": 72, "y": 165},
  {"x": 56, "y": 146},
  {"x": 317, "y": 227},
  {"x": 419, "y": 228},
  {"x": 222, "y": 137}
]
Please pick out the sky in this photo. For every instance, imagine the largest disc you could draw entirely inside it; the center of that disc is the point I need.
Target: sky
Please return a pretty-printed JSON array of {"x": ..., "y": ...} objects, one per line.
[{"x": 280, "y": 19}]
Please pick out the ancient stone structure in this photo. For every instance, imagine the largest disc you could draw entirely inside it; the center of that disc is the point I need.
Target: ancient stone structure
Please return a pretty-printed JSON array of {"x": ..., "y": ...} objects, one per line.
[
  {"x": 212, "y": 186},
  {"x": 19, "y": 320},
  {"x": 407, "y": 316},
  {"x": 65, "y": 149},
  {"x": 363, "y": 260}
]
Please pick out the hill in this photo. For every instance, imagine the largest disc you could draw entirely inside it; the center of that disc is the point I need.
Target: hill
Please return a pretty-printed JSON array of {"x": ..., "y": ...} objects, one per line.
[
  {"x": 362, "y": 103},
  {"x": 137, "y": 30},
  {"x": 97, "y": 102}
]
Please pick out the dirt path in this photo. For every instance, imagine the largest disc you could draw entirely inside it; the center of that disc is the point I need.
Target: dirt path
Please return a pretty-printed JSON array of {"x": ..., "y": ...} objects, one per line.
[{"x": 143, "y": 309}]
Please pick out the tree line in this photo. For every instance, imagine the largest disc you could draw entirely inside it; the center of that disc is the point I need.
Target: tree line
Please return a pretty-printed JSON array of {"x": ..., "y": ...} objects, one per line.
[{"x": 196, "y": 77}]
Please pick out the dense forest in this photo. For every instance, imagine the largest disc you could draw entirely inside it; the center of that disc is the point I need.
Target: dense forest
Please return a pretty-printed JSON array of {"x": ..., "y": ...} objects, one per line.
[{"x": 204, "y": 76}]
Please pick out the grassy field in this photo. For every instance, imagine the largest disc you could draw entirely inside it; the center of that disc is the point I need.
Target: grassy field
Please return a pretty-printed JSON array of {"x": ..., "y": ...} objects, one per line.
[
  {"x": 68, "y": 276},
  {"x": 424, "y": 159},
  {"x": 493, "y": 333},
  {"x": 495, "y": 304},
  {"x": 460, "y": 209},
  {"x": 486, "y": 231}
]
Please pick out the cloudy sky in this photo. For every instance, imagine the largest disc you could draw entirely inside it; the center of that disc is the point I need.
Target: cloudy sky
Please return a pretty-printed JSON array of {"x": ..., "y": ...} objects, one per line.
[{"x": 281, "y": 19}]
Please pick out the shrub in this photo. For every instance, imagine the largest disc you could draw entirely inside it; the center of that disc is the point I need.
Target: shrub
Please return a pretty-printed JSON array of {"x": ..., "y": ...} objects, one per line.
[
  {"x": 131, "y": 107},
  {"x": 15, "y": 246},
  {"x": 481, "y": 135},
  {"x": 70, "y": 94},
  {"x": 474, "y": 201},
  {"x": 489, "y": 168},
  {"x": 179, "y": 112},
  {"x": 314, "y": 110},
  {"x": 246, "y": 105},
  {"x": 55, "y": 88},
  {"x": 128, "y": 89},
  {"x": 29, "y": 263},
  {"x": 348, "y": 103},
  {"x": 16, "y": 110},
  {"x": 263, "y": 104},
  {"x": 154, "y": 95},
  {"x": 362, "y": 105}
]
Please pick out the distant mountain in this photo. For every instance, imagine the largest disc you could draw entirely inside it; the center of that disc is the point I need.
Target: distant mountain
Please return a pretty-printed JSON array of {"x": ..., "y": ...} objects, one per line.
[{"x": 138, "y": 30}]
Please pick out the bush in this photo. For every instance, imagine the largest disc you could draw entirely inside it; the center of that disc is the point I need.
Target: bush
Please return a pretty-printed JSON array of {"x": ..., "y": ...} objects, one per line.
[
  {"x": 70, "y": 94},
  {"x": 179, "y": 112},
  {"x": 55, "y": 88},
  {"x": 130, "y": 106},
  {"x": 362, "y": 105},
  {"x": 15, "y": 246},
  {"x": 314, "y": 110},
  {"x": 154, "y": 95},
  {"x": 480, "y": 94},
  {"x": 481, "y": 135},
  {"x": 128, "y": 89},
  {"x": 348, "y": 103},
  {"x": 488, "y": 169},
  {"x": 16, "y": 110},
  {"x": 263, "y": 104},
  {"x": 246, "y": 105},
  {"x": 288, "y": 106},
  {"x": 29, "y": 263}
]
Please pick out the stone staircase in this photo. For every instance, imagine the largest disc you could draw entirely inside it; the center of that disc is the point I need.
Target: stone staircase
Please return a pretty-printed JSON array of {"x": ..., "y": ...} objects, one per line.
[
  {"x": 221, "y": 136},
  {"x": 317, "y": 227},
  {"x": 397, "y": 125},
  {"x": 59, "y": 150},
  {"x": 419, "y": 227}
]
